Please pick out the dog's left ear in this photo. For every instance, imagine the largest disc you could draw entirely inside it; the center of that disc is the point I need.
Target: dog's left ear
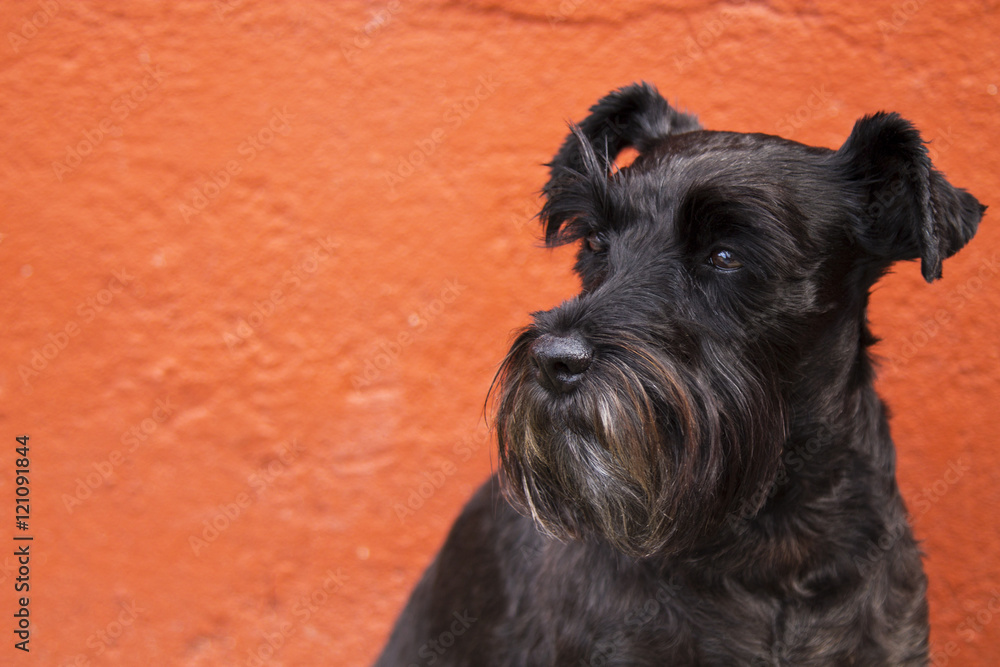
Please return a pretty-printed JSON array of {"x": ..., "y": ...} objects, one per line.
[
  {"x": 635, "y": 116},
  {"x": 909, "y": 210}
]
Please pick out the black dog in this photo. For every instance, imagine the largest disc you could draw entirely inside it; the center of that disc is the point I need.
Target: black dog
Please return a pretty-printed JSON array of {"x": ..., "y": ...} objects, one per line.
[{"x": 695, "y": 467}]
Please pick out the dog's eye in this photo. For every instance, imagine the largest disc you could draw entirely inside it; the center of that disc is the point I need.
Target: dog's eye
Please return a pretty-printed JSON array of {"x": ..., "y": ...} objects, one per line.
[
  {"x": 595, "y": 243},
  {"x": 724, "y": 260}
]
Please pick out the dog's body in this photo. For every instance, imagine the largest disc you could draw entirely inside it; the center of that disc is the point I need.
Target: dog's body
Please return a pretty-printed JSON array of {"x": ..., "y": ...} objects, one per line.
[{"x": 696, "y": 469}]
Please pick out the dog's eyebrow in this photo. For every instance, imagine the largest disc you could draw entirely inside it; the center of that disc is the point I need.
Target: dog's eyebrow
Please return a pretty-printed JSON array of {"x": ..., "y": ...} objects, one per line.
[
  {"x": 708, "y": 209},
  {"x": 739, "y": 207},
  {"x": 584, "y": 203}
]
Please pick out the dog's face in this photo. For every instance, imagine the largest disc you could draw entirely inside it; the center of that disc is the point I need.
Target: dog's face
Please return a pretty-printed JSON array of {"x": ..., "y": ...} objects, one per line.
[{"x": 719, "y": 270}]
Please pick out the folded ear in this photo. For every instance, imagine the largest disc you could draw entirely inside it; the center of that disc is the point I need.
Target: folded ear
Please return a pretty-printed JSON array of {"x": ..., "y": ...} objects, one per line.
[
  {"x": 635, "y": 116},
  {"x": 909, "y": 210}
]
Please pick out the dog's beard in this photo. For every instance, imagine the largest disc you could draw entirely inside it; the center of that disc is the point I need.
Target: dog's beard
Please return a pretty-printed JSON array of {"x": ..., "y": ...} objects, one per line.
[{"x": 651, "y": 455}]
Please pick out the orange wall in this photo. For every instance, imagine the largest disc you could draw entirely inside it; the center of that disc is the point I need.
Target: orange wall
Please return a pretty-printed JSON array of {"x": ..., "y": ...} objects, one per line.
[{"x": 268, "y": 282}]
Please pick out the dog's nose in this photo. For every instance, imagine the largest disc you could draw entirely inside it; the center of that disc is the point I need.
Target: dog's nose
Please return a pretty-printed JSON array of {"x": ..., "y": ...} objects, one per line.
[{"x": 560, "y": 361}]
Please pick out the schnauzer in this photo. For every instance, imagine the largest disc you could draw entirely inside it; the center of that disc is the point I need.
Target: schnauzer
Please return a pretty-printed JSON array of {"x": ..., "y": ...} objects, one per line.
[{"x": 695, "y": 468}]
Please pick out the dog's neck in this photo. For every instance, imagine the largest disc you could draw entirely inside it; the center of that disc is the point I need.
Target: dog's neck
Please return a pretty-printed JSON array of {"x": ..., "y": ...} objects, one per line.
[{"x": 836, "y": 459}]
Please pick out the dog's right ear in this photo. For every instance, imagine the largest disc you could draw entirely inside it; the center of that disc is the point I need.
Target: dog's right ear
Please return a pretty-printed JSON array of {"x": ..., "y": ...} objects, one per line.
[
  {"x": 635, "y": 116},
  {"x": 909, "y": 210}
]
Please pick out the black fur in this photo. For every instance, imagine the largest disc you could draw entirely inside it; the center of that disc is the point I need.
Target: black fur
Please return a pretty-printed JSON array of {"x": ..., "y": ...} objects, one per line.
[{"x": 695, "y": 467}]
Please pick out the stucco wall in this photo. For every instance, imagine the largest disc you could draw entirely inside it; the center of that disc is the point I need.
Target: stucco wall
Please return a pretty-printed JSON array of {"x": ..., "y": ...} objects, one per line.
[{"x": 260, "y": 261}]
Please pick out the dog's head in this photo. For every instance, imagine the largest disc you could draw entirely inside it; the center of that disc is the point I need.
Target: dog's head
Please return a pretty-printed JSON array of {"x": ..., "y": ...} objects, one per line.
[{"x": 725, "y": 278}]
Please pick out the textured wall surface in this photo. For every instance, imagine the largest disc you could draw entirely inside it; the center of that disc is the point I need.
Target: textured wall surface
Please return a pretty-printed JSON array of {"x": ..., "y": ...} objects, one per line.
[{"x": 260, "y": 261}]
